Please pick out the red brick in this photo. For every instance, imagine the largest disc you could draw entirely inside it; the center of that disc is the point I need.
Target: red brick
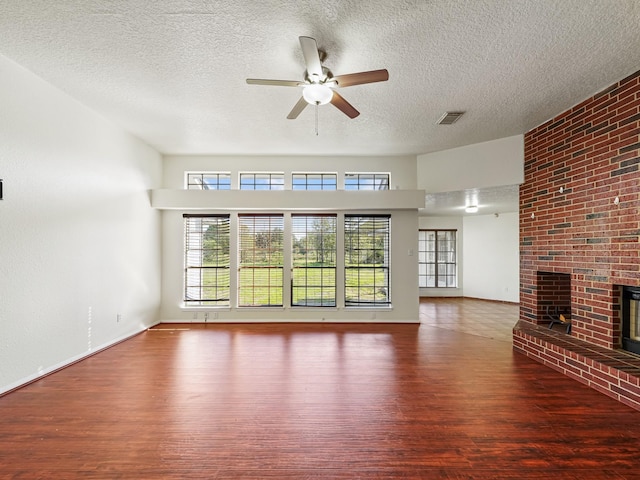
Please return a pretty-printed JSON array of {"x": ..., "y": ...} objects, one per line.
[{"x": 597, "y": 251}]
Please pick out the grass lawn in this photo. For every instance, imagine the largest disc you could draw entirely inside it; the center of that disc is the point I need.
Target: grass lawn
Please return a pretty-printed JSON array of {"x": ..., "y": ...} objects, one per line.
[{"x": 310, "y": 286}]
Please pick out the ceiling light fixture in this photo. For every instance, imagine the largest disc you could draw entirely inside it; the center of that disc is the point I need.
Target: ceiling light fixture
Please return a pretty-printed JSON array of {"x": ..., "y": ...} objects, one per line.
[
  {"x": 471, "y": 209},
  {"x": 317, "y": 94}
]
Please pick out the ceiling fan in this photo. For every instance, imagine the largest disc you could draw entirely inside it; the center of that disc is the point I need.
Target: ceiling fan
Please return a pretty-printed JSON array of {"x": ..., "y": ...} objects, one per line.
[{"x": 319, "y": 84}]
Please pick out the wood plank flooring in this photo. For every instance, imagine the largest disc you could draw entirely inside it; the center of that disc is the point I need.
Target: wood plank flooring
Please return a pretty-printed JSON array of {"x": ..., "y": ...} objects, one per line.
[{"x": 323, "y": 401}]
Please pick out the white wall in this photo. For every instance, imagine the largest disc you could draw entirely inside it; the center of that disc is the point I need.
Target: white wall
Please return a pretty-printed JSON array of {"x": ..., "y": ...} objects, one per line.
[
  {"x": 79, "y": 241},
  {"x": 491, "y": 257},
  {"x": 488, "y": 164},
  {"x": 404, "y": 225},
  {"x": 488, "y": 252},
  {"x": 488, "y": 256}
]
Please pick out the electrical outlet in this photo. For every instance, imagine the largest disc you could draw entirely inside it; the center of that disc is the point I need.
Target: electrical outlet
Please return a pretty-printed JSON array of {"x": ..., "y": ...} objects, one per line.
[
  {"x": 206, "y": 316},
  {"x": 118, "y": 317}
]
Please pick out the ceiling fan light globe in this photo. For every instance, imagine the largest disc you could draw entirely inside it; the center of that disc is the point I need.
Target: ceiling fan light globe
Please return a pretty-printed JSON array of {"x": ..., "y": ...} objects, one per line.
[{"x": 317, "y": 94}]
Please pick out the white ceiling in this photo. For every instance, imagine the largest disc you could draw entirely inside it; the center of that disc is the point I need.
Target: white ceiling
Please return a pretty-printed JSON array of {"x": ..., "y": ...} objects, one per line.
[
  {"x": 489, "y": 200},
  {"x": 173, "y": 72}
]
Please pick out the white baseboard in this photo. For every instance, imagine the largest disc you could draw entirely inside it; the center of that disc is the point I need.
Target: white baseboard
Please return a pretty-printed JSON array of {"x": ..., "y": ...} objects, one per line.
[{"x": 69, "y": 361}]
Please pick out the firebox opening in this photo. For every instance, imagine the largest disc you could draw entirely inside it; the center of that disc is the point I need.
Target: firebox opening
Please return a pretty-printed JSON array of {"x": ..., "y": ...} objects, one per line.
[
  {"x": 554, "y": 299},
  {"x": 631, "y": 319}
]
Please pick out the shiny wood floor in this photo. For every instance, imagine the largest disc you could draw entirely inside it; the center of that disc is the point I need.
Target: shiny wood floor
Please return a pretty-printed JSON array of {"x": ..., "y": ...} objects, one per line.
[{"x": 300, "y": 401}]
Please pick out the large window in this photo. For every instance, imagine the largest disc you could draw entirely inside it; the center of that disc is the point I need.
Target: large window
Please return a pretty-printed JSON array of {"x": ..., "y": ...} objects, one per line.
[
  {"x": 206, "y": 265},
  {"x": 262, "y": 181},
  {"x": 314, "y": 181},
  {"x": 437, "y": 258},
  {"x": 208, "y": 181},
  {"x": 367, "y": 260},
  {"x": 260, "y": 280},
  {"x": 366, "y": 181},
  {"x": 313, "y": 281}
]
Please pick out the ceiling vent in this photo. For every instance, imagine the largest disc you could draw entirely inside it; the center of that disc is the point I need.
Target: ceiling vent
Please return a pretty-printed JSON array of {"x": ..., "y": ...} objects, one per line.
[{"x": 449, "y": 118}]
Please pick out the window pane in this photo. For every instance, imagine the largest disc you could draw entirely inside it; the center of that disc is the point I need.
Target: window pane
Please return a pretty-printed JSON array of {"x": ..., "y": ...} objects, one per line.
[
  {"x": 314, "y": 260},
  {"x": 314, "y": 181},
  {"x": 260, "y": 280},
  {"x": 247, "y": 181},
  {"x": 367, "y": 260},
  {"x": 298, "y": 182},
  {"x": 366, "y": 181},
  {"x": 208, "y": 181},
  {"x": 206, "y": 271},
  {"x": 350, "y": 183},
  {"x": 437, "y": 254},
  {"x": 261, "y": 181},
  {"x": 382, "y": 182}
]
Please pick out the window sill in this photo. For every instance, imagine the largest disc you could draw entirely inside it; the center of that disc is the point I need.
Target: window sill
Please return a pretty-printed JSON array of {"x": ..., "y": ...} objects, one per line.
[
  {"x": 314, "y": 308},
  {"x": 260, "y": 307},
  {"x": 204, "y": 308},
  {"x": 370, "y": 308}
]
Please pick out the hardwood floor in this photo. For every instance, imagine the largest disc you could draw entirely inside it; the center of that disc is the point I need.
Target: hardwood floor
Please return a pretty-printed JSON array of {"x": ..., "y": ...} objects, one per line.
[{"x": 323, "y": 401}]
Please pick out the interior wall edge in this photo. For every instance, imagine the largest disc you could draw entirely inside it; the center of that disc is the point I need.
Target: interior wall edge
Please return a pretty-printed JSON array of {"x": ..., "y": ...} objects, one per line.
[{"x": 23, "y": 382}]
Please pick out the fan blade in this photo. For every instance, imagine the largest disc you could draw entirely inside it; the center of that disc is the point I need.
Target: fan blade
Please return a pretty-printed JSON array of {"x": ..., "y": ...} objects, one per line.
[
  {"x": 362, "y": 77},
  {"x": 297, "y": 109},
  {"x": 278, "y": 83},
  {"x": 311, "y": 57},
  {"x": 345, "y": 107}
]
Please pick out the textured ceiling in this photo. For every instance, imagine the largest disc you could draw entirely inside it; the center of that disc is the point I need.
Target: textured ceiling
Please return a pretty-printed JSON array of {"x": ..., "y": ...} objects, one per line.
[
  {"x": 173, "y": 72},
  {"x": 489, "y": 200}
]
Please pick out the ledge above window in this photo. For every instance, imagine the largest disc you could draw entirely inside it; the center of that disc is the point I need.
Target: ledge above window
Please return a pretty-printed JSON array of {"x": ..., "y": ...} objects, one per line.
[{"x": 240, "y": 200}]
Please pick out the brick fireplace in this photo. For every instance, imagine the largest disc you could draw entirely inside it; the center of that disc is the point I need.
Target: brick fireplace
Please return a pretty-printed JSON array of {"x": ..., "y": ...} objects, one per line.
[{"x": 580, "y": 219}]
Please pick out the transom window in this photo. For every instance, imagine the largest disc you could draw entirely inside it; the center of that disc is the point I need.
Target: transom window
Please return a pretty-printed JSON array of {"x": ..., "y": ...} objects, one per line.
[
  {"x": 437, "y": 258},
  {"x": 313, "y": 282},
  {"x": 262, "y": 181},
  {"x": 261, "y": 263},
  {"x": 314, "y": 181},
  {"x": 206, "y": 264},
  {"x": 208, "y": 181},
  {"x": 367, "y": 260},
  {"x": 366, "y": 181}
]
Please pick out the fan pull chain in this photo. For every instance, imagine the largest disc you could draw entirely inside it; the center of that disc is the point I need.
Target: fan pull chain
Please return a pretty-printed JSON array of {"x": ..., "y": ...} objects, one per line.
[{"x": 317, "y": 118}]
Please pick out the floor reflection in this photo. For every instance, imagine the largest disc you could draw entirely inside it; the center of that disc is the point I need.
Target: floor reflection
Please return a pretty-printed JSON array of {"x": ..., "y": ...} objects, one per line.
[{"x": 466, "y": 315}]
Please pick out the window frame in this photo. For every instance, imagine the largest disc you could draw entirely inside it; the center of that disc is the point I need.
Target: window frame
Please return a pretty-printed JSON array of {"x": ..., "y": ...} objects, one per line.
[
  {"x": 272, "y": 271},
  {"x": 196, "y": 273},
  {"x": 438, "y": 263},
  {"x": 217, "y": 185},
  {"x": 361, "y": 182},
  {"x": 323, "y": 175},
  {"x": 242, "y": 185},
  {"x": 380, "y": 290},
  {"x": 325, "y": 271}
]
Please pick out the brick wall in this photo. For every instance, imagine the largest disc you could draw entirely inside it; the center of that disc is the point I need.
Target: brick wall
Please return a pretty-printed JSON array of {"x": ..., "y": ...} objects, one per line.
[
  {"x": 553, "y": 295},
  {"x": 576, "y": 166}
]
